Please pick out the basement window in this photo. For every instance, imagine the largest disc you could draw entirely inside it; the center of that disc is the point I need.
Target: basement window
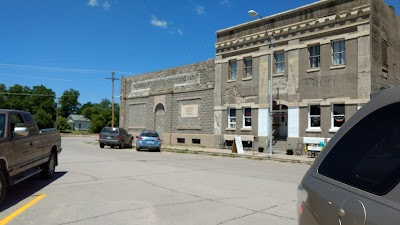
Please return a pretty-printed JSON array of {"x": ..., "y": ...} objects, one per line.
[
  {"x": 196, "y": 141},
  {"x": 181, "y": 140}
]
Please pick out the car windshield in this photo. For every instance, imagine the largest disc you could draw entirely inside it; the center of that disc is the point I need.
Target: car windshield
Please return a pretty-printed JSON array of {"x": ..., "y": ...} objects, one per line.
[
  {"x": 2, "y": 122},
  {"x": 149, "y": 134},
  {"x": 110, "y": 130}
]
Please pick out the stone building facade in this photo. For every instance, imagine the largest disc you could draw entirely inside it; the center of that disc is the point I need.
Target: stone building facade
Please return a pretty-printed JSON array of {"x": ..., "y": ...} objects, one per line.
[
  {"x": 328, "y": 57},
  {"x": 176, "y": 102}
]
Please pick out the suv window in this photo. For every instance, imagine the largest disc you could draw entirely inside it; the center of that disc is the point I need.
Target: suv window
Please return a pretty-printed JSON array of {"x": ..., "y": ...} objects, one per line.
[
  {"x": 110, "y": 130},
  {"x": 368, "y": 155},
  {"x": 149, "y": 134}
]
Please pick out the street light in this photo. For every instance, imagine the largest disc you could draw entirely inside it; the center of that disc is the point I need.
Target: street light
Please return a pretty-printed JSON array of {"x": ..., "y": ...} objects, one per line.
[{"x": 271, "y": 47}]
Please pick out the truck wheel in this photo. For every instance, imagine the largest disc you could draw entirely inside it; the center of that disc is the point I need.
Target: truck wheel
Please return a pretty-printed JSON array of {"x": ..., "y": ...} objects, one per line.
[
  {"x": 49, "y": 167},
  {"x": 101, "y": 145},
  {"x": 3, "y": 187}
]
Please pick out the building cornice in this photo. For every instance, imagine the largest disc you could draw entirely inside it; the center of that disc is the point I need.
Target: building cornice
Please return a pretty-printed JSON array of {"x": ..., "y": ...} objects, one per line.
[{"x": 296, "y": 27}]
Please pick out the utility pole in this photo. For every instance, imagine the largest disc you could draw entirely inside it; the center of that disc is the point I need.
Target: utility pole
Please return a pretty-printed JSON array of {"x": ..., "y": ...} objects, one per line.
[{"x": 112, "y": 98}]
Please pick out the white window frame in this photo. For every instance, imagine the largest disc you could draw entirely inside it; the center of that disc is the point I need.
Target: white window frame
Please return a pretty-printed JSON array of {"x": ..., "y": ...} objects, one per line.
[
  {"x": 232, "y": 72},
  {"x": 282, "y": 70},
  {"x": 312, "y": 56},
  {"x": 314, "y": 116},
  {"x": 336, "y": 55},
  {"x": 246, "y": 117},
  {"x": 333, "y": 128},
  {"x": 231, "y": 125},
  {"x": 248, "y": 69}
]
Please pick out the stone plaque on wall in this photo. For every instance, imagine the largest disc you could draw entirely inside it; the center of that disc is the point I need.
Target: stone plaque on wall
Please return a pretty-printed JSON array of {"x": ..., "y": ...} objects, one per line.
[{"x": 189, "y": 111}]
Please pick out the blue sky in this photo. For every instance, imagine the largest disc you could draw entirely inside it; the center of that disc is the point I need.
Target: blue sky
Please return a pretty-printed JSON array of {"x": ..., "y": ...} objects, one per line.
[{"x": 76, "y": 44}]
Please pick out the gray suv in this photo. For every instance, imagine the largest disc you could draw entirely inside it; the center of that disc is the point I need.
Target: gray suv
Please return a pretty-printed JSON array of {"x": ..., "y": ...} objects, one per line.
[
  {"x": 114, "y": 136},
  {"x": 355, "y": 179}
]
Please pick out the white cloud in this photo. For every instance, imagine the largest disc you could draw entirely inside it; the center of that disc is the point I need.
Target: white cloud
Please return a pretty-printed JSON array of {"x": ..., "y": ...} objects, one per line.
[
  {"x": 200, "y": 9},
  {"x": 179, "y": 31},
  {"x": 106, "y": 5},
  {"x": 158, "y": 23},
  {"x": 93, "y": 3},
  {"x": 224, "y": 2},
  {"x": 97, "y": 3}
]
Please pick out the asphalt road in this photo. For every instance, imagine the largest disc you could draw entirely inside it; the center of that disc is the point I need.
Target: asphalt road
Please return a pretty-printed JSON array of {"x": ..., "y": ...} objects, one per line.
[{"x": 121, "y": 187}]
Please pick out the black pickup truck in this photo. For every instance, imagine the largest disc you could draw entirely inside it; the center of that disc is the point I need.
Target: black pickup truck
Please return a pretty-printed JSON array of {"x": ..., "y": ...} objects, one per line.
[{"x": 24, "y": 149}]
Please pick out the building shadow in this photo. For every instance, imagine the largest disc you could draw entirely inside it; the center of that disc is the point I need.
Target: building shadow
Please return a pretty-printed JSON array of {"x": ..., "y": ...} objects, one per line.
[{"x": 26, "y": 189}]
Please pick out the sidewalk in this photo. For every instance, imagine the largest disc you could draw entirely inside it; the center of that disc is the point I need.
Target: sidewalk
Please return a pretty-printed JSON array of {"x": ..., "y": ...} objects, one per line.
[{"x": 303, "y": 159}]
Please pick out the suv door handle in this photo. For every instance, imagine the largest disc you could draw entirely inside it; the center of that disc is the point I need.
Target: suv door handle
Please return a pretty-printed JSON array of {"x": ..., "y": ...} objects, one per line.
[{"x": 341, "y": 213}]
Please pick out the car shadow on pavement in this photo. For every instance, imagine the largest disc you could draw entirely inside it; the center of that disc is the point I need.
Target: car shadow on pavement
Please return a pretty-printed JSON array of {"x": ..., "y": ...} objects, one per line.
[{"x": 26, "y": 189}]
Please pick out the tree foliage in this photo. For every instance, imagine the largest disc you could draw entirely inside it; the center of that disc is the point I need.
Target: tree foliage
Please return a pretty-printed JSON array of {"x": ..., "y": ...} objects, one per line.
[
  {"x": 69, "y": 102},
  {"x": 40, "y": 102},
  {"x": 62, "y": 124}
]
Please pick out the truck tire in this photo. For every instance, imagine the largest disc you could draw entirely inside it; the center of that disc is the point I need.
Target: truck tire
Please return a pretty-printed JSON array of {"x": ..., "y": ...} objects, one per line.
[
  {"x": 101, "y": 145},
  {"x": 3, "y": 187},
  {"x": 49, "y": 167}
]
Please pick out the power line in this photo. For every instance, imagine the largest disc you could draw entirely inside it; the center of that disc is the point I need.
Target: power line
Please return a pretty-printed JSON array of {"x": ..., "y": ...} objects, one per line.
[
  {"x": 55, "y": 69},
  {"x": 42, "y": 78}
]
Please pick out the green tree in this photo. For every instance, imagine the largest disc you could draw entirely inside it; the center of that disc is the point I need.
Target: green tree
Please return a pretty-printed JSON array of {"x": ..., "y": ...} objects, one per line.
[
  {"x": 3, "y": 102},
  {"x": 43, "y": 119},
  {"x": 62, "y": 124},
  {"x": 18, "y": 98},
  {"x": 43, "y": 98},
  {"x": 97, "y": 123},
  {"x": 83, "y": 107},
  {"x": 69, "y": 102}
]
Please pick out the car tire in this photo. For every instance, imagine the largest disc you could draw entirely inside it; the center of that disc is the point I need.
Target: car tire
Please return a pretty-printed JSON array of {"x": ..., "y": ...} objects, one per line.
[
  {"x": 137, "y": 149},
  {"x": 121, "y": 146},
  {"x": 3, "y": 187},
  {"x": 101, "y": 145},
  {"x": 158, "y": 149},
  {"x": 49, "y": 167},
  {"x": 130, "y": 144}
]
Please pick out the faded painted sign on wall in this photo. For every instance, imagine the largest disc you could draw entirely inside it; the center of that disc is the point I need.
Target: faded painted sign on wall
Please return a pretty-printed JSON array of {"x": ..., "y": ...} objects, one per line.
[{"x": 188, "y": 111}]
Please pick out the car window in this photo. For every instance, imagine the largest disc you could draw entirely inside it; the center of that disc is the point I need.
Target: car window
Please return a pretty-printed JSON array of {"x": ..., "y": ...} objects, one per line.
[
  {"x": 149, "y": 134},
  {"x": 2, "y": 125},
  {"x": 110, "y": 130},
  {"x": 368, "y": 155}
]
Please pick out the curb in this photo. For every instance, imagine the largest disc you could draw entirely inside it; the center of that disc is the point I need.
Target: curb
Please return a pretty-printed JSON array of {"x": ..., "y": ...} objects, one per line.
[{"x": 234, "y": 155}]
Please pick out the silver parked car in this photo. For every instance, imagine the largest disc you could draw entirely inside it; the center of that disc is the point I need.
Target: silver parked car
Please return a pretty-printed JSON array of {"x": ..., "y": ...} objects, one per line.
[
  {"x": 148, "y": 140},
  {"x": 114, "y": 136},
  {"x": 355, "y": 179}
]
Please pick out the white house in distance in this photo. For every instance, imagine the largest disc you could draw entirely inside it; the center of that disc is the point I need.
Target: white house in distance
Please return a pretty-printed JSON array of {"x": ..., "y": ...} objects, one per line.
[{"x": 78, "y": 122}]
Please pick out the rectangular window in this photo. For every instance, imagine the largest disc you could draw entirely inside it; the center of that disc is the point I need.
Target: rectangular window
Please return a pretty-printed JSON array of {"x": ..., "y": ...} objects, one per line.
[
  {"x": 338, "y": 115},
  {"x": 279, "y": 62},
  {"x": 248, "y": 67},
  {"x": 384, "y": 53},
  {"x": 315, "y": 56},
  {"x": 181, "y": 140},
  {"x": 196, "y": 141},
  {"x": 314, "y": 116},
  {"x": 338, "y": 53},
  {"x": 246, "y": 117},
  {"x": 232, "y": 70},
  {"x": 231, "y": 118}
]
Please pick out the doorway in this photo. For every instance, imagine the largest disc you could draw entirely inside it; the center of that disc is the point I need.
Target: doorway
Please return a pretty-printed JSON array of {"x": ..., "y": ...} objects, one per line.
[{"x": 159, "y": 119}]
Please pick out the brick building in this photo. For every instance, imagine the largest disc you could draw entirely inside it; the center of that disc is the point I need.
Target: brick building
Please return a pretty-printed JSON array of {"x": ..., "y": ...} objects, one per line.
[
  {"x": 329, "y": 56},
  {"x": 177, "y": 102}
]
